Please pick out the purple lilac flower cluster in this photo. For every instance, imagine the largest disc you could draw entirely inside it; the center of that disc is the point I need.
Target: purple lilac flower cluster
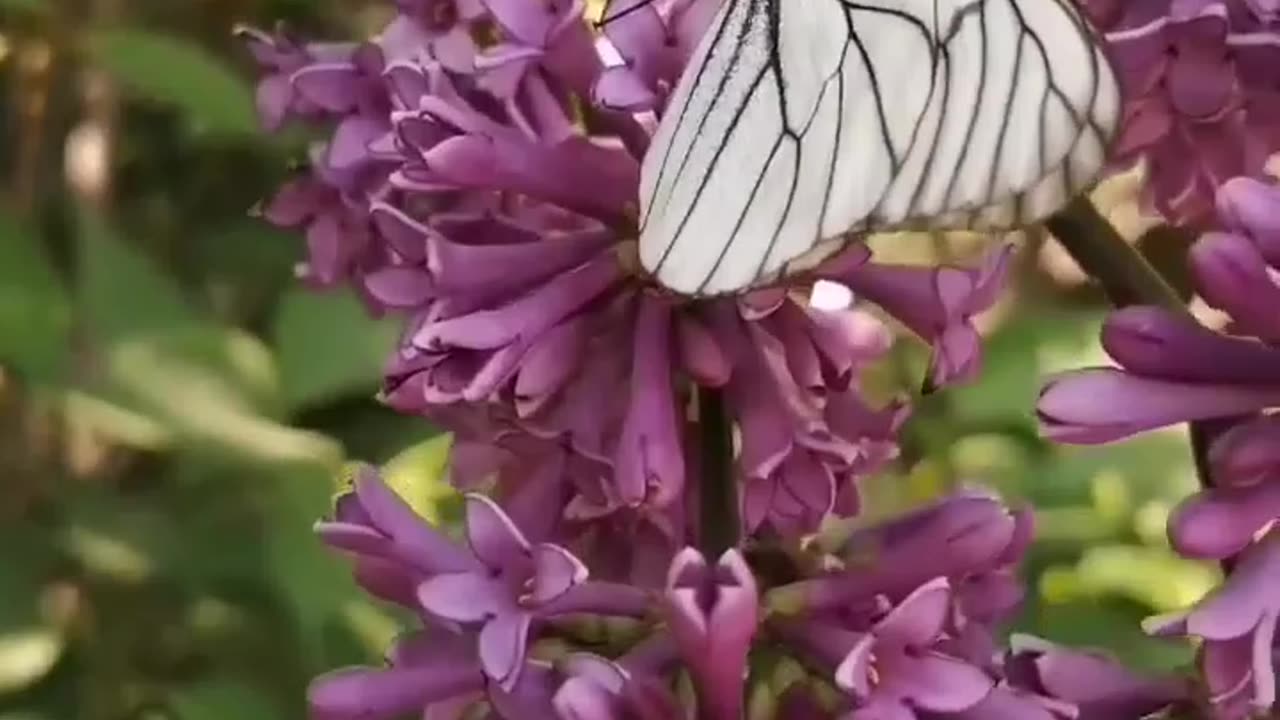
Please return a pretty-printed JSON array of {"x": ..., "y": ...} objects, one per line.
[
  {"x": 908, "y": 635},
  {"x": 479, "y": 179},
  {"x": 1202, "y": 95},
  {"x": 1173, "y": 370}
]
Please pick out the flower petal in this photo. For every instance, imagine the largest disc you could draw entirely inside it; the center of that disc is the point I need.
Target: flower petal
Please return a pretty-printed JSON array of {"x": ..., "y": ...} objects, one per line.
[
  {"x": 937, "y": 682},
  {"x": 502, "y": 647},
  {"x": 464, "y": 597},
  {"x": 493, "y": 537},
  {"x": 918, "y": 619},
  {"x": 556, "y": 571}
]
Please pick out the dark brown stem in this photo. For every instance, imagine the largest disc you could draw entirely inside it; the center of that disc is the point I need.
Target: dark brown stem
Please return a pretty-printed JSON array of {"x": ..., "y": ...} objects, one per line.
[
  {"x": 717, "y": 487},
  {"x": 1125, "y": 276}
]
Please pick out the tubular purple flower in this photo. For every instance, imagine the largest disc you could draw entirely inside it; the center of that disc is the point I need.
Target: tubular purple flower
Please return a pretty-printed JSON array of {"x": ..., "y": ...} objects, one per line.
[
  {"x": 957, "y": 537},
  {"x": 712, "y": 614},
  {"x": 500, "y": 586},
  {"x": 424, "y": 668},
  {"x": 1097, "y": 685},
  {"x": 516, "y": 584},
  {"x": 938, "y": 304},
  {"x": 893, "y": 669},
  {"x": 375, "y": 524},
  {"x": 628, "y": 688},
  {"x": 650, "y": 459}
]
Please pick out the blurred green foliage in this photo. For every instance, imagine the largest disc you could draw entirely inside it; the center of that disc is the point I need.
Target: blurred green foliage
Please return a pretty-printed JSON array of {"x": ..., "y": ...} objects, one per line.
[{"x": 175, "y": 412}]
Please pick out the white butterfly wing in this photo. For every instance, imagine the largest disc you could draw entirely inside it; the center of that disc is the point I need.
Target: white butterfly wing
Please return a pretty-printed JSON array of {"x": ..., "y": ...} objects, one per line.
[{"x": 800, "y": 120}]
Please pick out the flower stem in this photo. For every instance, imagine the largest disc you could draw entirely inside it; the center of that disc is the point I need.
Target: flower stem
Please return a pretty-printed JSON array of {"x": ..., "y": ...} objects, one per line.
[
  {"x": 1127, "y": 279},
  {"x": 717, "y": 488},
  {"x": 1125, "y": 276}
]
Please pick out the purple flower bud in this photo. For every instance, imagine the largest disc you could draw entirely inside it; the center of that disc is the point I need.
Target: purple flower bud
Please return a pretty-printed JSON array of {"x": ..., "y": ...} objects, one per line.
[
  {"x": 1232, "y": 276},
  {"x": 1160, "y": 344},
  {"x": 1247, "y": 454},
  {"x": 650, "y": 458},
  {"x": 1217, "y": 523},
  {"x": 1098, "y": 405},
  {"x": 1251, "y": 206}
]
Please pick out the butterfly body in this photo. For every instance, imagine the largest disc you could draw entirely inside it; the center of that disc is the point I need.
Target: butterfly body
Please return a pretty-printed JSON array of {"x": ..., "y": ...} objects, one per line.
[{"x": 798, "y": 122}]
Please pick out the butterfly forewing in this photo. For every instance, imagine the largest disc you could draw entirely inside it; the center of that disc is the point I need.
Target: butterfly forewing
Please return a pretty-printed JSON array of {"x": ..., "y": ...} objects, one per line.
[{"x": 798, "y": 121}]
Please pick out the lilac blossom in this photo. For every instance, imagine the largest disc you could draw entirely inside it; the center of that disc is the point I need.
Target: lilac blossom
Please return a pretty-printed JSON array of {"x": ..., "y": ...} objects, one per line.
[
  {"x": 894, "y": 667},
  {"x": 1096, "y": 684},
  {"x": 712, "y": 613},
  {"x": 499, "y": 586},
  {"x": 629, "y": 688},
  {"x": 963, "y": 536},
  {"x": 1238, "y": 625},
  {"x": 1201, "y": 105}
]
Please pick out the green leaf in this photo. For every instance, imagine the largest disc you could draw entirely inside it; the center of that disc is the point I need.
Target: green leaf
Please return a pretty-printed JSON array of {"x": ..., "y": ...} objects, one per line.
[
  {"x": 178, "y": 73},
  {"x": 1110, "y": 625},
  {"x": 215, "y": 388},
  {"x": 313, "y": 579},
  {"x": 1154, "y": 577},
  {"x": 121, "y": 292},
  {"x": 28, "y": 655},
  {"x": 35, "y": 310},
  {"x": 1015, "y": 359},
  {"x": 329, "y": 347},
  {"x": 418, "y": 476},
  {"x": 223, "y": 700}
]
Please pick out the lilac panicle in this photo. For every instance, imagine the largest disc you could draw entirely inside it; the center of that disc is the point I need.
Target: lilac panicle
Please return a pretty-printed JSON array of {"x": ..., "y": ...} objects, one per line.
[
  {"x": 463, "y": 190},
  {"x": 1173, "y": 370},
  {"x": 479, "y": 181}
]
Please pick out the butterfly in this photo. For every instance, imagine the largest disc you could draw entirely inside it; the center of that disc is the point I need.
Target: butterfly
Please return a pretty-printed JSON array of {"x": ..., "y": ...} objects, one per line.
[{"x": 798, "y": 124}]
